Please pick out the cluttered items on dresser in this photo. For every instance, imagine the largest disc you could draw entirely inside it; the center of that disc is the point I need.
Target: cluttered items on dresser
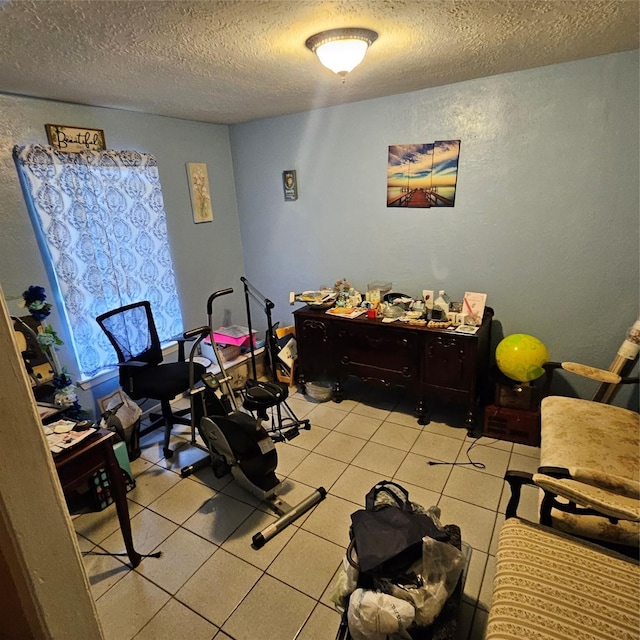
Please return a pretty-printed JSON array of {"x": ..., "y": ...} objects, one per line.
[
  {"x": 380, "y": 302},
  {"x": 399, "y": 343}
]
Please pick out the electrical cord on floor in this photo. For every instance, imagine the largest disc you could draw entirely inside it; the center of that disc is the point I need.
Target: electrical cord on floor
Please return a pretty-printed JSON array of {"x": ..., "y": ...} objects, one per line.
[
  {"x": 477, "y": 465},
  {"x": 156, "y": 554}
]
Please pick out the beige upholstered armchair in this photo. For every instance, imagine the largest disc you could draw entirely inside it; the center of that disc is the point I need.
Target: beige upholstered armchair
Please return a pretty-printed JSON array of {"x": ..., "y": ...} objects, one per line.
[{"x": 589, "y": 464}]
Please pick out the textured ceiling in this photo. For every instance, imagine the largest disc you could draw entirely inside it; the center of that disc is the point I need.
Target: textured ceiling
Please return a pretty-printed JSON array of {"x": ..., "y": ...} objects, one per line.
[{"x": 239, "y": 60}]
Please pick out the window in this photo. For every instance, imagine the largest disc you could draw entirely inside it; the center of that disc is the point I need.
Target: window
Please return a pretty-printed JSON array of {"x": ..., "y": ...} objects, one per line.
[{"x": 101, "y": 225}]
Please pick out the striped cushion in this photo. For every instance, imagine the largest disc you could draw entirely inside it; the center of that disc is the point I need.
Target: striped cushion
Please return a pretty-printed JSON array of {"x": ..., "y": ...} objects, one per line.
[{"x": 550, "y": 586}]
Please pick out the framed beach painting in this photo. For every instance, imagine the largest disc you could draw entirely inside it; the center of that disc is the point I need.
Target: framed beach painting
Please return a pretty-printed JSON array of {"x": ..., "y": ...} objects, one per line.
[{"x": 423, "y": 176}]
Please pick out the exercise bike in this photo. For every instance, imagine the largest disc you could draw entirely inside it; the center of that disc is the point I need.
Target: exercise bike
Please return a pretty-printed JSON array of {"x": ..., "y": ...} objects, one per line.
[{"x": 236, "y": 441}]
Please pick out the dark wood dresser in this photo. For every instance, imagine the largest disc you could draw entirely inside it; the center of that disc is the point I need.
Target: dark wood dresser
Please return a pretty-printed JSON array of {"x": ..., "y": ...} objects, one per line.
[{"x": 430, "y": 363}]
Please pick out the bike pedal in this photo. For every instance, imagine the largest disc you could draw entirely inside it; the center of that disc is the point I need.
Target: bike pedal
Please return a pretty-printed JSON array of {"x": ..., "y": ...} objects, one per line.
[{"x": 292, "y": 433}]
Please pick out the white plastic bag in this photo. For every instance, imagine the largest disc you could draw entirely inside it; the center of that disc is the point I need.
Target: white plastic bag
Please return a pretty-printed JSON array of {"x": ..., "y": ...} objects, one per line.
[
  {"x": 374, "y": 616},
  {"x": 344, "y": 585},
  {"x": 128, "y": 413},
  {"x": 439, "y": 571},
  {"x": 122, "y": 415}
]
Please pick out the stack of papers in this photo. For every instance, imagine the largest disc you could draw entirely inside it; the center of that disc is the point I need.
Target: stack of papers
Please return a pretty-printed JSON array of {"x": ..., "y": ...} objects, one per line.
[{"x": 60, "y": 435}]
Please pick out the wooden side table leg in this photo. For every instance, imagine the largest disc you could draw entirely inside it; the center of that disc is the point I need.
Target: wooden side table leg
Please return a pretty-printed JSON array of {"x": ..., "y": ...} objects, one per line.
[
  {"x": 421, "y": 412},
  {"x": 120, "y": 497},
  {"x": 471, "y": 419},
  {"x": 302, "y": 386}
]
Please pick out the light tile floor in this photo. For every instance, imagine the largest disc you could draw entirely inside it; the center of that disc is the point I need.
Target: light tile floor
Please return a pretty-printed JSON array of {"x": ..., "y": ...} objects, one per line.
[{"x": 210, "y": 583}]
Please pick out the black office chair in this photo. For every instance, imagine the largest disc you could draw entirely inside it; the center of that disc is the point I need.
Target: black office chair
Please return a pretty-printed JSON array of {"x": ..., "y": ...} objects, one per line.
[{"x": 133, "y": 334}]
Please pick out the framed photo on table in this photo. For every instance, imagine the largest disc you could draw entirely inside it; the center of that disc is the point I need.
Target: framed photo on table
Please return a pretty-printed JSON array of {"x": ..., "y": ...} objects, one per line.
[{"x": 473, "y": 305}]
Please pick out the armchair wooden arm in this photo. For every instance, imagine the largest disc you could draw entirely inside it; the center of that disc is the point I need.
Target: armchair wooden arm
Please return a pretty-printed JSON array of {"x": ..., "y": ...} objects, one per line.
[{"x": 585, "y": 371}]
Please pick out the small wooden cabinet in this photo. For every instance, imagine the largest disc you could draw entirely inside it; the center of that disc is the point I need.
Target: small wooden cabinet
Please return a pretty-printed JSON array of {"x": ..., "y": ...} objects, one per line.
[
  {"x": 431, "y": 363},
  {"x": 515, "y": 425}
]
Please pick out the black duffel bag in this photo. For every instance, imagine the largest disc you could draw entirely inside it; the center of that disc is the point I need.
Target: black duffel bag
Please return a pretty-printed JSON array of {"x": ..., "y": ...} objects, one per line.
[{"x": 387, "y": 537}]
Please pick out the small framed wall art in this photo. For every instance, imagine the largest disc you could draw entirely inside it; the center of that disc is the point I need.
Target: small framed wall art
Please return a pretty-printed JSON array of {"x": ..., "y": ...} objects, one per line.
[
  {"x": 199, "y": 190},
  {"x": 75, "y": 139},
  {"x": 290, "y": 184}
]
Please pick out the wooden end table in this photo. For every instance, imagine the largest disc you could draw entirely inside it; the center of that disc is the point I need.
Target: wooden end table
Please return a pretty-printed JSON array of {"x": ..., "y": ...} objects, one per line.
[{"x": 76, "y": 465}]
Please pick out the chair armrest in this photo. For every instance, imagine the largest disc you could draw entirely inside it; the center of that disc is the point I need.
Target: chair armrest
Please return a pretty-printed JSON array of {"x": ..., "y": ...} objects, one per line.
[
  {"x": 585, "y": 371},
  {"x": 618, "y": 485},
  {"x": 516, "y": 480},
  {"x": 549, "y": 368},
  {"x": 601, "y": 500},
  {"x": 187, "y": 336},
  {"x": 593, "y": 373},
  {"x": 192, "y": 334},
  {"x": 133, "y": 363}
]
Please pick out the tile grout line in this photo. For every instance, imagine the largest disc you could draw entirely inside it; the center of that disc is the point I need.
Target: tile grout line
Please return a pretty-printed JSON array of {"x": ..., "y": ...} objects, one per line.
[{"x": 368, "y": 440}]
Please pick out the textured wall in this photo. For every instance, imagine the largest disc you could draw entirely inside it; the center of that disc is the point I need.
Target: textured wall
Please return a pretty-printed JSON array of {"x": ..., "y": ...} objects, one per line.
[
  {"x": 206, "y": 256},
  {"x": 547, "y": 206},
  {"x": 546, "y": 217}
]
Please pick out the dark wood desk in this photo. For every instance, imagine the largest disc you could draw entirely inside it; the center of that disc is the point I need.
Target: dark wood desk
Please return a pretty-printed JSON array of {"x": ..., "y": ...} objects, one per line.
[
  {"x": 431, "y": 363},
  {"x": 75, "y": 467}
]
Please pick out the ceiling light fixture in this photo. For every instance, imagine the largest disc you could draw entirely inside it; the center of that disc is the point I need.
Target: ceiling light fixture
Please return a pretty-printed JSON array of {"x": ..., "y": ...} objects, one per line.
[{"x": 341, "y": 50}]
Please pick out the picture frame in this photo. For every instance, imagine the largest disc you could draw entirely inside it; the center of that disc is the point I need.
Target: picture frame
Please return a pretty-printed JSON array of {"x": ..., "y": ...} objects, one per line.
[
  {"x": 75, "y": 139},
  {"x": 424, "y": 175},
  {"x": 290, "y": 185},
  {"x": 199, "y": 192},
  {"x": 473, "y": 305}
]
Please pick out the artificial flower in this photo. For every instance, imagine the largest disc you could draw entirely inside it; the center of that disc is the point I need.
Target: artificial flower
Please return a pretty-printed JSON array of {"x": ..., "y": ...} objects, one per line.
[
  {"x": 48, "y": 338},
  {"x": 34, "y": 300}
]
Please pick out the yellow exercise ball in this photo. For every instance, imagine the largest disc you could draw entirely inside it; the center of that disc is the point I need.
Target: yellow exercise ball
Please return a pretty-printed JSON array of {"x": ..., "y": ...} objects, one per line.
[{"x": 521, "y": 356}]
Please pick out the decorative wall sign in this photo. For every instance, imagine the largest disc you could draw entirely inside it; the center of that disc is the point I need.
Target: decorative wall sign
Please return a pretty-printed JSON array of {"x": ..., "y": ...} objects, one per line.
[
  {"x": 290, "y": 184},
  {"x": 423, "y": 175},
  {"x": 75, "y": 139},
  {"x": 199, "y": 190}
]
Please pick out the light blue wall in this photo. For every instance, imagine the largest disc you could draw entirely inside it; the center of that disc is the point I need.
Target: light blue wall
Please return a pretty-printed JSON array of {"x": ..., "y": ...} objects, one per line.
[
  {"x": 206, "y": 256},
  {"x": 546, "y": 219}
]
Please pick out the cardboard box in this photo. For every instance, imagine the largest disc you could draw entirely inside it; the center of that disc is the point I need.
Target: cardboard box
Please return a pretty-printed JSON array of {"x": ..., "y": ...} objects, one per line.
[{"x": 228, "y": 352}]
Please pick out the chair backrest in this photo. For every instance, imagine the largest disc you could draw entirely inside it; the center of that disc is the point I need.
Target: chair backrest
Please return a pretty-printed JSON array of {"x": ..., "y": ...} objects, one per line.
[{"x": 132, "y": 332}]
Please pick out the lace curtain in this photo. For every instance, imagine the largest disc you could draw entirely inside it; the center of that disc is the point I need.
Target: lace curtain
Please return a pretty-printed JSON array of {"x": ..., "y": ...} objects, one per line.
[{"x": 101, "y": 224}]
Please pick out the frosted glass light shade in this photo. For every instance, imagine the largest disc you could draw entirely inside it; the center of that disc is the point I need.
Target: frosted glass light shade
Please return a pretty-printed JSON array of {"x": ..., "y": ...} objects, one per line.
[
  {"x": 342, "y": 56},
  {"x": 341, "y": 50}
]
